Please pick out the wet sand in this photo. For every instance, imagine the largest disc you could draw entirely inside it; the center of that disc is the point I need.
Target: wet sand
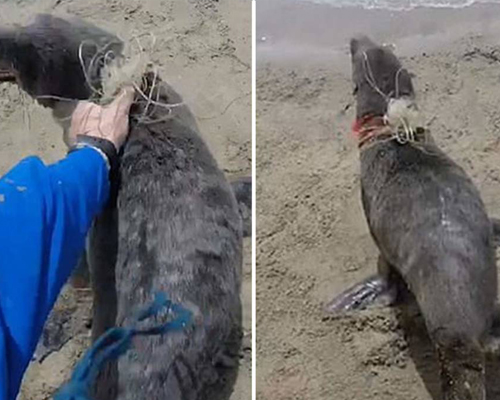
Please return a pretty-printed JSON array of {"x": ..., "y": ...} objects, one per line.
[
  {"x": 203, "y": 48},
  {"x": 312, "y": 238}
]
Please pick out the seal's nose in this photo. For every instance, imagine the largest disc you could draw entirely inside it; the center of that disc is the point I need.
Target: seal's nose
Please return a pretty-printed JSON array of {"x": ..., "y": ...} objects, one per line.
[{"x": 361, "y": 43}]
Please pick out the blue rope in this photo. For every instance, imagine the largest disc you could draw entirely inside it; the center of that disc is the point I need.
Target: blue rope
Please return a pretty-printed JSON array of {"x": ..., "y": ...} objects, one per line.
[{"x": 116, "y": 342}]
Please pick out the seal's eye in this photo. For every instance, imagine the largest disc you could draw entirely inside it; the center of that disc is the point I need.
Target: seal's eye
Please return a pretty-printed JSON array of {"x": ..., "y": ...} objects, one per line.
[{"x": 355, "y": 90}]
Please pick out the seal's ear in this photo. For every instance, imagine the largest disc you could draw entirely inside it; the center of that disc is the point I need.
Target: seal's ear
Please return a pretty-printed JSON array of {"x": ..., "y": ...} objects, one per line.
[{"x": 355, "y": 90}]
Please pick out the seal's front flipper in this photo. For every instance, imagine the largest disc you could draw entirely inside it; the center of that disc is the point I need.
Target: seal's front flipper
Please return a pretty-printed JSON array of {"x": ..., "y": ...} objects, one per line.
[
  {"x": 381, "y": 289},
  {"x": 495, "y": 222},
  {"x": 374, "y": 290}
]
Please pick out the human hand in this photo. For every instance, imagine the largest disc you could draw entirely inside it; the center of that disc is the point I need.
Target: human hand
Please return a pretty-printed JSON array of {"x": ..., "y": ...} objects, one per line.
[{"x": 109, "y": 122}]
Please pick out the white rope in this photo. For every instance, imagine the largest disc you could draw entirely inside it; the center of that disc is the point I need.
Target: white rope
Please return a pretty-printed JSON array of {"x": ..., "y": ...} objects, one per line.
[
  {"x": 370, "y": 79},
  {"x": 408, "y": 134}
]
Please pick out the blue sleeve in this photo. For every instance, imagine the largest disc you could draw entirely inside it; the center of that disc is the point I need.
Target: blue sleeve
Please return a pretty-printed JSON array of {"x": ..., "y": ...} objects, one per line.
[{"x": 45, "y": 213}]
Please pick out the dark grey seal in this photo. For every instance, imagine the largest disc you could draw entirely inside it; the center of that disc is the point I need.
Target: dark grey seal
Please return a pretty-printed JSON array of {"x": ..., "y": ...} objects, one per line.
[
  {"x": 430, "y": 225},
  {"x": 172, "y": 223}
]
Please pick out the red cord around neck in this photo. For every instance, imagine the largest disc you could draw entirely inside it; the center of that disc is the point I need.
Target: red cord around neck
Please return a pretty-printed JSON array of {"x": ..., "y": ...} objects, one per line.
[{"x": 367, "y": 127}]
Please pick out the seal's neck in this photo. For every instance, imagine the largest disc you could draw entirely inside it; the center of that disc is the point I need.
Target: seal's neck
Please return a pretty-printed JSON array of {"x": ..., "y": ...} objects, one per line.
[
  {"x": 368, "y": 128},
  {"x": 400, "y": 122}
]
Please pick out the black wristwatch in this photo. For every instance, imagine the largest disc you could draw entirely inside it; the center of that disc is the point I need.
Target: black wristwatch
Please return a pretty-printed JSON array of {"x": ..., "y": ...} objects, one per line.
[{"x": 103, "y": 146}]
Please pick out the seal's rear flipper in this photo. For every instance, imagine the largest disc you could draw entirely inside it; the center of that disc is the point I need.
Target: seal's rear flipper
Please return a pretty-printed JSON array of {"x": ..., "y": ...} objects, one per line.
[{"x": 374, "y": 290}]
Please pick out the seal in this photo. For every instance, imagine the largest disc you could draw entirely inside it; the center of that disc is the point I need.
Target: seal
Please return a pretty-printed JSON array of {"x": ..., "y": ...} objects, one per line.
[
  {"x": 172, "y": 224},
  {"x": 242, "y": 189},
  {"x": 427, "y": 220}
]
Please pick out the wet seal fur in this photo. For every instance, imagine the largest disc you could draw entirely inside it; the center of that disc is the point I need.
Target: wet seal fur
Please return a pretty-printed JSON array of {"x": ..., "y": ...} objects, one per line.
[
  {"x": 173, "y": 225},
  {"x": 431, "y": 228}
]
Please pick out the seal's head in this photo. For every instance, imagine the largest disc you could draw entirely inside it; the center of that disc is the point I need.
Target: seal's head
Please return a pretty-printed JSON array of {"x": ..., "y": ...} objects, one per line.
[
  {"x": 378, "y": 77},
  {"x": 53, "y": 57}
]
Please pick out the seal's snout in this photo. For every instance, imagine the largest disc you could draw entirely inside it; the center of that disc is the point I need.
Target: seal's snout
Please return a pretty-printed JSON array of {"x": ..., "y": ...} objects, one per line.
[
  {"x": 354, "y": 46},
  {"x": 361, "y": 43}
]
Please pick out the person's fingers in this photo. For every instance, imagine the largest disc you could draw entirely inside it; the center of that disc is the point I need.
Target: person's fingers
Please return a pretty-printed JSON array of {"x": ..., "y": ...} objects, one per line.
[
  {"x": 124, "y": 101},
  {"x": 109, "y": 122}
]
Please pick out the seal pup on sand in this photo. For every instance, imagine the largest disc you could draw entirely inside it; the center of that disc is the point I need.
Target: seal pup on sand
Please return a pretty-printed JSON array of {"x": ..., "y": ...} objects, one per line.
[
  {"x": 172, "y": 223},
  {"x": 427, "y": 220}
]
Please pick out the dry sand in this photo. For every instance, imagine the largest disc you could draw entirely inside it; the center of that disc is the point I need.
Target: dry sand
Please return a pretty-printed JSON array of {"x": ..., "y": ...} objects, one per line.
[
  {"x": 312, "y": 238},
  {"x": 204, "y": 50}
]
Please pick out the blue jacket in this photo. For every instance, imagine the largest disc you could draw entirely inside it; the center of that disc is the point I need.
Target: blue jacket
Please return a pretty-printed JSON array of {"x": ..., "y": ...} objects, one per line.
[{"x": 45, "y": 213}]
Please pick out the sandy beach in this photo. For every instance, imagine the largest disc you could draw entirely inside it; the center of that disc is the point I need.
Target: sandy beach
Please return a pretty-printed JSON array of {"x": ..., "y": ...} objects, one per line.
[
  {"x": 312, "y": 238},
  {"x": 204, "y": 50}
]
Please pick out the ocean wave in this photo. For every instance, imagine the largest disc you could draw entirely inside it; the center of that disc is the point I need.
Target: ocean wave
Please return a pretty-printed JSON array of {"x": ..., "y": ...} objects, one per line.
[{"x": 402, "y": 5}]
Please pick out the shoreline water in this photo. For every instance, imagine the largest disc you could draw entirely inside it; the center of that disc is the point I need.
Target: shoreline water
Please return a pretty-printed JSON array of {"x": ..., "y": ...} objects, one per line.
[
  {"x": 399, "y": 5},
  {"x": 313, "y": 32}
]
